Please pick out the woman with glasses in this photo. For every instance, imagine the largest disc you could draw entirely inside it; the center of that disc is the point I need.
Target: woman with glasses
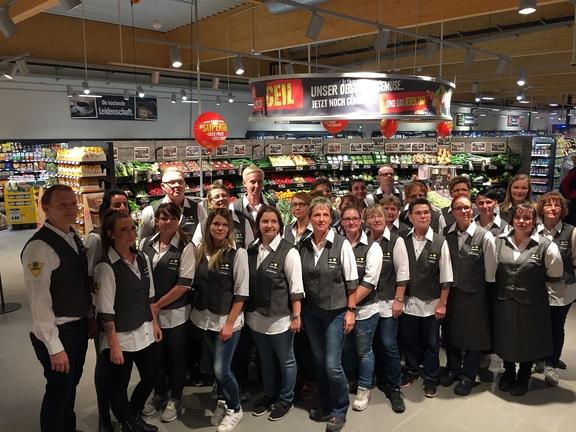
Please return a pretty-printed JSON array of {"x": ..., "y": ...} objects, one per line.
[
  {"x": 368, "y": 263},
  {"x": 300, "y": 227},
  {"x": 552, "y": 209},
  {"x": 521, "y": 330}
]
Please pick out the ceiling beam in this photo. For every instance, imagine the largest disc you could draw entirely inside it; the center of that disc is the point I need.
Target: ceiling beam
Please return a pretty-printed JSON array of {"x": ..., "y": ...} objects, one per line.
[{"x": 24, "y": 9}]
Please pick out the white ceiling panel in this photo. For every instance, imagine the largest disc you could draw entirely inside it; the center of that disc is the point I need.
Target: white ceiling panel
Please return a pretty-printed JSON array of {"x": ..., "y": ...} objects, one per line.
[{"x": 170, "y": 14}]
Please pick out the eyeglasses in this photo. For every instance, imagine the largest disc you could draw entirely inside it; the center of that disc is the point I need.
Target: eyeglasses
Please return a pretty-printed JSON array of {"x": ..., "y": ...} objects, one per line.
[
  {"x": 298, "y": 204},
  {"x": 174, "y": 183},
  {"x": 350, "y": 219},
  {"x": 462, "y": 209}
]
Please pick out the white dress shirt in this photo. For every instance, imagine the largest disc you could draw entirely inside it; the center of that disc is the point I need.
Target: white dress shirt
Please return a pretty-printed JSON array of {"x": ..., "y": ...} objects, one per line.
[
  {"x": 371, "y": 276},
  {"x": 402, "y": 268}
]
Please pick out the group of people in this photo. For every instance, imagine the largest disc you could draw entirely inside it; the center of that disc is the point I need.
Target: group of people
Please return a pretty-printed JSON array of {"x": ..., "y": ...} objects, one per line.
[{"x": 352, "y": 290}]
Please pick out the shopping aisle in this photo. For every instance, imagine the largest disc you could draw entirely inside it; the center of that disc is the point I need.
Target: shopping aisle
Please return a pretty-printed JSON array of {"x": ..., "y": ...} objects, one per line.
[{"x": 486, "y": 409}]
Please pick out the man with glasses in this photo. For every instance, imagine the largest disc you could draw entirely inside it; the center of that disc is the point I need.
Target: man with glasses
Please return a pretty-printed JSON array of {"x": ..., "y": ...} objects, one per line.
[
  {"x": 174, "y": 186},
  {"x": 458, "y": 186},
  {"x": 418, "y": 189},
  {"x": 386, "y": 186}
]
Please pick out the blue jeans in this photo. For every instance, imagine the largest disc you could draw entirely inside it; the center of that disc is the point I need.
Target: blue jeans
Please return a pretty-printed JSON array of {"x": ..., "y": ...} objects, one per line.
[
  {"x": 275, "y": 351},
  {"x": 358, "y": 355},
  {"x": 421, "y": 336},
  {"x": 388, "y": 334},
  {"x": 326, "y": 332},
  {"x": 222, "y": 353}
]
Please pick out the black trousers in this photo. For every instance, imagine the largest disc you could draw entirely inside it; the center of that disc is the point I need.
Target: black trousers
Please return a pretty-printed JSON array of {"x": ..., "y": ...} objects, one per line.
[
  {"x": 524, "y": 371},
  {"x": 421, "y": 339},
  {"x": 558, "y": 319},
  {"x": 57, "y": 412},
  {"x": 173, "y": 352},
  {"x": 463, "y": 363},
  {"x": 147, "y": 361},
  {"x": 101, "y": 380}
]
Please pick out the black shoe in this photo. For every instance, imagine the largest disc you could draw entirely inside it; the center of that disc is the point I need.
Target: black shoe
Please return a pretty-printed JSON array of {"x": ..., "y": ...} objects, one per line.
[
  {"x": 397, "y": 401},
  {"x": 280, "y": 410},
  {"x": 318, "y": 414},
  {"x": 448, "y": 379},
  {"x": 521, "y": 387},
  {"x": 407, "y": 379},
  {"x": 561, "y": 365},
  {"x": 263, "y": 406},
  {"x": 430, "y": 388},
  {"x": 129, "y": 427},
  {"x": 105, "y": 425},
  {"x": 335, "y": 423},
  {"x": 506, "y": 382},
  {"x": 464, "y": 387},
  {"x": 145, "y": 427}
]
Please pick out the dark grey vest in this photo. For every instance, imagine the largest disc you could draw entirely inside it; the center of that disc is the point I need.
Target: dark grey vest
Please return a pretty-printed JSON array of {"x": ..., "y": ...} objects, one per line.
[
  {"x": 378, "y": 196},
  {"x": 132, "y": 299},
  {"x": 214, "y": 289},
  {"x": 467, "y": 262},
  {"x": 564, "y": 242},
  {"x": 324, "y": 282},
  {"x": 387, "y": 280},
  {"x": 494, "y": 229},
  {"x": 360, "y": 252},
  {"x": 523, "y": 280},
  {"x": 448, "y": 216},
  {"x": 425, "y": 271},
  {"x": 289, "y": 236},
  {"x": 69, "y": 283},
  {"x": 166, "y": 273},
  {"x": 240, "y": 209},
  {"x": 269, "y": 289},
  {"x": 402, "y": 229},
  {"x": 189, "y": 220}
]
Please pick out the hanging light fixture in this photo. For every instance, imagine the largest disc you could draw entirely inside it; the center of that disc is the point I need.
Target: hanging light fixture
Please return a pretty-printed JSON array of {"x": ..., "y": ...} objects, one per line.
[
  {"x": 520, "y": 96},
  {"x": 215, "y": 83},
  {"x": 502, "y": 65},
  {"x": 475, "y": 87},
  {"x": 155, "y": 77},
  {"x": 230, "y": 97},
  {"x": 7, "y": 26},
  {"x": 469, "y": 57},
  {"x": 126, "y": 95},
  {"x": 526, "y": 7},
  {"x": 85, "y": 87},
  {"x": 382, "y": 39},
  {"x": 173, "y": 98},
  {"x": 477, "y": 98},
  {"x": 10, "y": 73},
  {"x": 217, "y": 100},
  {"x": 315, "y": 26},
  {"x": 68, "y": 5},
  {"x": 521, "y": 78},
  {"x": 238, "y": 65},
  {"x": 140, "y": 92},
  {"x": 69, "y": 91},
  {"x": 175, "y": 57},
  {"x": 183, "y": 95}
]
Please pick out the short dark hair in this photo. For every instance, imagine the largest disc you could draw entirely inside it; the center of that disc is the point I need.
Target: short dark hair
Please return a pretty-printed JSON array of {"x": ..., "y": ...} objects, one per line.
[
  {"x": 457, "y": 180},
  {"x": 260, "y": 214},
  {"x": 419, "y": 201},
  {"x": 355, "y": 180},
  {"x": 108, "y": 223},
  {"x": 107, "y": 198},
  {"x": 488, "y": 193},
  {"x": 47, "y": 195},
  {"x": 171, "y": 209},
  {"x": 321, "y": 181},
  {"x": 347, "y": 200}
]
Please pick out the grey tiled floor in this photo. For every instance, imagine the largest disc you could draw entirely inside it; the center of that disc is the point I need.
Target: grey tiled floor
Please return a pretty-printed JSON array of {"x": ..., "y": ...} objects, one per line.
[{"x": 486, "y": 409}]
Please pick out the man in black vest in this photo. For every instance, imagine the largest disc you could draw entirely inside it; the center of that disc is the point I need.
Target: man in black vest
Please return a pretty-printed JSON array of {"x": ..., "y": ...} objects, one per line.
[
  {"x": 386, "y": 186},
  {"x": 250, "y": 203},
  {"x": 58, "y": 288},
  {"x": 173, "y": 185}
]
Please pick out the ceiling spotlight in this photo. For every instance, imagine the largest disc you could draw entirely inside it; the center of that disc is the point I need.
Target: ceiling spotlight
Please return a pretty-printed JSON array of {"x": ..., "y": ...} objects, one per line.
[
  {"x": 520, "y": 96},
  {"x": 289, "y": 68},
  {"x": 502, "y": 65},
  {"x": 218, "y": 100},
  {"x": 11, "y": 73},
  {"x": 488, "y": 98},
  {"x": 215, "y": 83},
  {"x": 126, "y": 95},
  {"x": 382, "y": 39},
  {"x": 431, "y": 48},
  {"x": 156, "y": 25},
  {"x": 155, "y": 77},
  {"x": 140, "y": 92},
  {"x": 183, "y": 95},
  {"x": 7, "y": 26},
  {"x": 230, "y": 98},
  {"x": 526, "y": 7},
  {"x": 477, "y": 98},
  {"x": 85, "y": 88},
  {"x": 469, "y": 57},
  {"x": 521, "y": 78},
  {"x": 175, "y": 57},
  {"x": 523, "y": 101},
  {"x": 173, "y": 98},
  {"x": 238, "y": 65},
  {"x": 315, "y": 26},
  {"x": 69, "y": 91}
]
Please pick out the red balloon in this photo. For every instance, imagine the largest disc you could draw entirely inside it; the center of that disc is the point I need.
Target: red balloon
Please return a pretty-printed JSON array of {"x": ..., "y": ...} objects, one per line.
[
  {"x": 388, "y": 127},
  {"x": 444, "y": 129},
  {"x": 334, "y": 126},
  {"x": 210, "y": 130}
]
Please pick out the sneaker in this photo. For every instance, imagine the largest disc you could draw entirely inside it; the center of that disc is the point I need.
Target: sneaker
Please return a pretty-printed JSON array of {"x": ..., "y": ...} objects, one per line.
[
  {"x": 430, "y": 388},
  {"x": 397, "y": 401},
  {"x": 407, "y": 379},
  {"x": 521, "y": 387},
  {"x": 506, "y": 382},
  {"x": 464, "y": 387},
  {"x": 361, "y": 400},
  {"x": 551, "y": 376},
  {"x": 539, "y": 366},
  {"x": 171, "y": 410},
  {"x": 280, "y": 410},
  {"x": 561, "y": 365},
  {"x": 230, "y": 420},
  {"x": 318, "y": 414},
  {"x": 153, "y": 404},
  {"x": 263, "y": 406},
  {"x": 447, "y": 379},
  {"x": 335, "y": 423},
  {"x": 219, "y": 413},
  {"x": 307, "y": 390}
]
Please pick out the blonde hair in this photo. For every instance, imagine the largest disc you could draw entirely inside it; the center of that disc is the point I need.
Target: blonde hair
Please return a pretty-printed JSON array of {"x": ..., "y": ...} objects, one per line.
[
  {"x": 250, "y": 169},
  {"x": 507, "y": 203},
  {"x": 207, "y": 246},
  {"x": 373, "y": 209}
]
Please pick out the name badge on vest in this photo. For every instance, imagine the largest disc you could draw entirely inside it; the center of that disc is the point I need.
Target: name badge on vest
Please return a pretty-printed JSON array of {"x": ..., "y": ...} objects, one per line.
[
  {"x": 224, "y": 269},
  {"x": 386, "y": 257},
  {"x": 563, "y": 245},
  {"x": 433, "y": 258},
  {"x": 273, "y": 267},
  {"x": 190, "y": 219},
  {"x": 173, "y": 263},
  {"x": 536, "y": 258},
  {"x": 360, "y": 262},
  {"x": 474, "y": 250},
  {"x": 146, "y": 272},
  {"x": 332, "y": 263}
]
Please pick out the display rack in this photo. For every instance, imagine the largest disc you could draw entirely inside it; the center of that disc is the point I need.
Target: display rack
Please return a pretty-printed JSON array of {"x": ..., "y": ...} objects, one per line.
[
  {"x": 545, "y": 166},
  {"x": 20, "y": 203}
]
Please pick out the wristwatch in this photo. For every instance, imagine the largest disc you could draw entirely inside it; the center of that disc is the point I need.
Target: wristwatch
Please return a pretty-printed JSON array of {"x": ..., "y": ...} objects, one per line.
[
  {"x": 293, "y": 317},
  {"x": 399, "y": 299},
  {"x": 352, "y": 309}
]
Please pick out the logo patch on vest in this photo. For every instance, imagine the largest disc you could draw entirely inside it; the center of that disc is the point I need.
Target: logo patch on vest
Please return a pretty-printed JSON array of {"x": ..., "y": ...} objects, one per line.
[
  {"x": 536, "y": 258},
  {"x": 563, "y": 245},
  {"x": 433, "y": 257},
  {"x": 474, "y": 250},
  {"x": 273, "y": 267},
  {"x": 360, "y": 262},
  {"x": 36, "y": 268},
  {"x": 386, "y": 256},
  {"x": 173, "y": 263},
  {"x": 224, "y": 269},
  {"x": 332, "y": 263}
]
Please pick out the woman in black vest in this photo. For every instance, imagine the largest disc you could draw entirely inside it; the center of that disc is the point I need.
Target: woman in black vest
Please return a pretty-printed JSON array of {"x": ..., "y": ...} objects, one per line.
[
  {"x": 125, "y": 291},
  {"x": 330, "y": 280},
  {"x": 300, "y": 227},
  {"x": 173, "y": 262},
  {"x": 521, "y": 330},
  {"x": 487, "y": 216},
  {"x": 368, "y": 263},
  {"x": 221, "y": 285},
  {"x": 552, "y": 208},
  {"x": 519, "y": 191},
  {"x": 274, "y": 311}
]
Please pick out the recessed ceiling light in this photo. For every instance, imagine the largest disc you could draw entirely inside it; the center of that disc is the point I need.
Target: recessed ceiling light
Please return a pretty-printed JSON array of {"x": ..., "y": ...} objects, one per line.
[
  {"x": 488, "y": 98},
  {"x": 553, "y": 104}
]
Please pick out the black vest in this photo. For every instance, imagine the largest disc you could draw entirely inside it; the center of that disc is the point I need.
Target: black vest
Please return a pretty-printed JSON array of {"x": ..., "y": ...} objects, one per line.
[
  {"x": 269, "y": 288},
  {"x": 402, "y": 229},
  {"x": 69, "y": 283},
  {"x": 493, "y": 228},
  {"x": 360, "y": 252},
  {"x": 241, "y": 210},
  {"x": 448, "y": 216},
  {"x": 563, "y": 240},
  {"x": 524, "y": 279},
  {"x": 289, "y": 236},
  {"x": 189, "y": 220},
  {"x": 387, "y": 280},
  {"x": 166, "y": 273},
  {"x": 214, "y": 289},
  {"x": 378, "y": 196},
  {"x": 132, "y": 299},
  {"x": 324, "y": 282},
  {"x": 467, "y": 262},
  {"x": 425, "y": 271}
]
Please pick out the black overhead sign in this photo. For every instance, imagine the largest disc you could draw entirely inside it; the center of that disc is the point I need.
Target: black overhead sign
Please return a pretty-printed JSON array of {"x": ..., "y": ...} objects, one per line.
[{"x": 113, "y": 107}]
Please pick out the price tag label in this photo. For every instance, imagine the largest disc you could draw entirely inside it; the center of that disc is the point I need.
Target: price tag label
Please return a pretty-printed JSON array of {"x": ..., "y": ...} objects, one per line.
[
  {"x": 219, "y": 172},
  {"x": 279, "y": 168},
  {"x": 141, "y": 153},
  {"x": 192, "y": 152},
  {"x": 170, "y": 152},
  {"x": 299, "y": 168}
]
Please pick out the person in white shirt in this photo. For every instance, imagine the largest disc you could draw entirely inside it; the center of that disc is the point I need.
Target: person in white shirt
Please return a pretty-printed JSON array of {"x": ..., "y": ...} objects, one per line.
[
  {"x": 173, "y": 262},
  {"x": 273, "y": 311},
  {"x": 385, "y": 186},
  {"x": 488, "y": 216},
  {"x": 418, "y": 189},
  {"x": 221, "y": 285},
  {"x": 125, "y": 292},
  {"x": 300, "y": 227},
  {"x": 56, "y": 278},
  {"x": 391, "y": 206},
  {"x": 253, "y": 199}
]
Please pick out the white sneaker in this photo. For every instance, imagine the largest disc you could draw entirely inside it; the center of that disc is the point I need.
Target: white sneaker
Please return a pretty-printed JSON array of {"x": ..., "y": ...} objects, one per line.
[
  {"x": 219, "y": 413},
  {"x": 551, "y": 376},
  {"x": 361, "y": 400},
  {"x": 171, "y": 411},
  {"x": 231, "y": 420}
]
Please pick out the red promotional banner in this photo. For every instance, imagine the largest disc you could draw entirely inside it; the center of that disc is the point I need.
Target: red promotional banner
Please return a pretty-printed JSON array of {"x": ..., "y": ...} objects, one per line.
[{"x": 284, "y": 95}]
